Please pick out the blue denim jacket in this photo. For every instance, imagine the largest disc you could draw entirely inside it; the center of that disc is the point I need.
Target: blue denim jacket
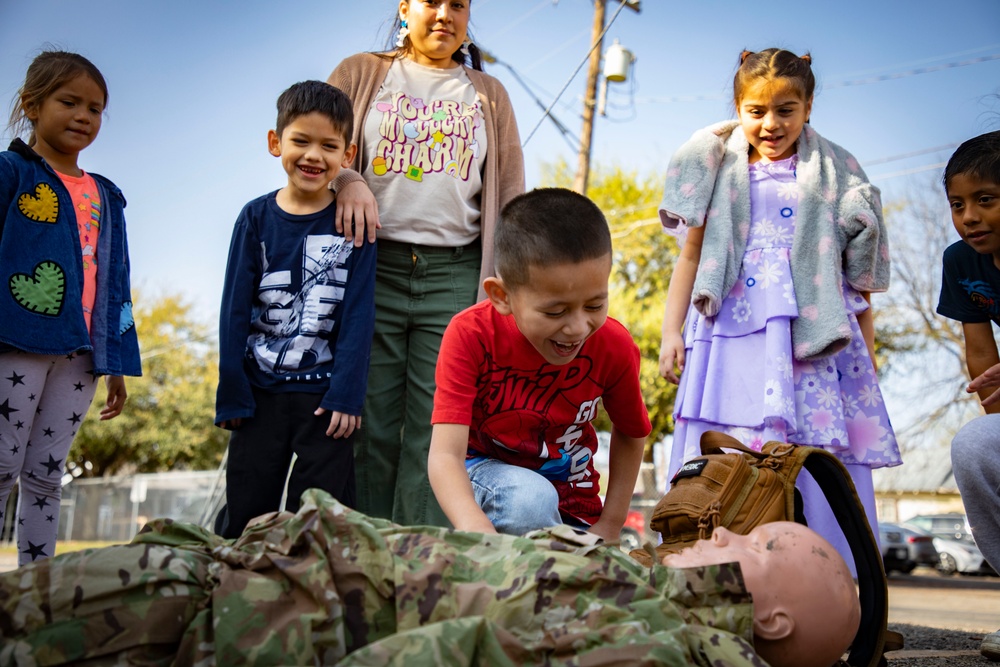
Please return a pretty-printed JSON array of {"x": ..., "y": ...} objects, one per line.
[{"x": 41, "y": 269}]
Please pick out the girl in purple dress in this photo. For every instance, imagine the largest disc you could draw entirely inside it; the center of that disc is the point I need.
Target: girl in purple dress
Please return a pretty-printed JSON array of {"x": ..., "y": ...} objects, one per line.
[{"x": 784, "y": 243}]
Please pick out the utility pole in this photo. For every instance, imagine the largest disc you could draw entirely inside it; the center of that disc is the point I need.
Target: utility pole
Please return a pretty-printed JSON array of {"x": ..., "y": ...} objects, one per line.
[
  {"x": 590, "y": 101},
  {"x": 590, "y": 96}
]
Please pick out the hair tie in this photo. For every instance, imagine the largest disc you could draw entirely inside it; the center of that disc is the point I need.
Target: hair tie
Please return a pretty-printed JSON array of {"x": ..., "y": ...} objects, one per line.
[{"x": 743, "y": 56}]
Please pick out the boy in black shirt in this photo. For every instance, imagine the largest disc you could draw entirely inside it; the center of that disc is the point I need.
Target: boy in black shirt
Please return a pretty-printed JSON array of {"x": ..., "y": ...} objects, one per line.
[{"x": 970, "y": 293}]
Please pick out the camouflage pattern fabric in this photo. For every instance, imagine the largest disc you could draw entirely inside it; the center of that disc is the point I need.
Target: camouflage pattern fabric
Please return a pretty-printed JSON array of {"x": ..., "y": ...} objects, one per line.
[{"x": 329, "y": 585}]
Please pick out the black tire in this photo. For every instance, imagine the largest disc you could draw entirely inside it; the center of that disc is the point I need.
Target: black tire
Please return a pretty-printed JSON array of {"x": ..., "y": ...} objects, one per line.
[
  {"x": 906, "y": 568},
  {"x": 947, "y": 564},
  {"x": 629, "y": 540}
]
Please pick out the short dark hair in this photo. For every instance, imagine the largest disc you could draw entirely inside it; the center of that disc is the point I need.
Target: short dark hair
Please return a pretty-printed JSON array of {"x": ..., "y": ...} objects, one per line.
[
  {"x": 979, "y": 157},
  {"x": 307, "y": 97},
  {"x": 547, "y": 226}
]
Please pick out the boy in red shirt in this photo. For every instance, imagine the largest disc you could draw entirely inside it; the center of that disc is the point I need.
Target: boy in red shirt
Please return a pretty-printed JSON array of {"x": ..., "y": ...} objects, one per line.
[{"x": 520, "y": 375}]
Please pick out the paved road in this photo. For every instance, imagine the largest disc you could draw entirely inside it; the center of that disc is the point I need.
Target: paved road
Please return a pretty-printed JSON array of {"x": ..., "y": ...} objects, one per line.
[
  {"x": 955, "y": 603},
  {"x": 942, "y": 619}
]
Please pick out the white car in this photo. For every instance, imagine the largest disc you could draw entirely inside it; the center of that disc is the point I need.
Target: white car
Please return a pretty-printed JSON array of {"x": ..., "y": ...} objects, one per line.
[
  {"x": 960, "y": 556},
  {"x": 953, "y": 540}
]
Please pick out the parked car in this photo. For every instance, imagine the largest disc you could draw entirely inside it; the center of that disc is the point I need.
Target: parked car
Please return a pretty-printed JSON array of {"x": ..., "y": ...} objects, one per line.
[
  {"x": 962, "y": 556},
  {"x": 952, "y": 526},
  {"x": 957, "y": 550},
  {"x": 895, "y": 554},
  {"x": 905, "y": 547}
]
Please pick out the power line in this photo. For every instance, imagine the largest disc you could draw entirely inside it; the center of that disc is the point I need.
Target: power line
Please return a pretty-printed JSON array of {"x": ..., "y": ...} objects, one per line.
[
  {"x": 907, "y": 172},
  {"x": 903, "y": 156},
  {"x": 566, "y": 134},
  {"x": 522, "y": 18},
  {"x": 712, "y": 97},
  {"x": 914, "y": 72},
  {"x": 597, "y": 42},
  {"x": 914, "y": 63}
]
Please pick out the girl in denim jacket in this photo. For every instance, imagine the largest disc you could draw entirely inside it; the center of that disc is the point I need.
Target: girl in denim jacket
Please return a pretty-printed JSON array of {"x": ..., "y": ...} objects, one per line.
[{"x": 65, "y": 303}]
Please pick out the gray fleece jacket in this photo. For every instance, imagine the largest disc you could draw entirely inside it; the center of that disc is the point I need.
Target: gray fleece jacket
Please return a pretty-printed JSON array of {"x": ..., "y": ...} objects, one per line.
[{"x": 840, "y": 234}]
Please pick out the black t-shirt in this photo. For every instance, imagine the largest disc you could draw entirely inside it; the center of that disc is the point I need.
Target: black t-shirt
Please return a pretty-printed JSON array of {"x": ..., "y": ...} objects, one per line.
[{"x": 970, "y": 285}]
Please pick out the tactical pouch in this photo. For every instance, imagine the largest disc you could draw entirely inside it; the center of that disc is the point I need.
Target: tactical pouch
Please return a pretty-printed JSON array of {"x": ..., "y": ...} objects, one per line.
[{"x": 744, "y": 488}]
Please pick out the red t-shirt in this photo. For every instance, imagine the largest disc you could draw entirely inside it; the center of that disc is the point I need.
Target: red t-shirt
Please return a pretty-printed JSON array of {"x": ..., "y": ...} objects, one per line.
[{"x": 524, "y": 411}]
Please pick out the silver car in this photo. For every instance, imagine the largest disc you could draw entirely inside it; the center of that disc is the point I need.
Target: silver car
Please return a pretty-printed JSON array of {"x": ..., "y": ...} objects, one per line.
[
  {"x": 960, "y": 556},
  {"x": 952, "y": 526},
  {"x": 953, "y": 540}
]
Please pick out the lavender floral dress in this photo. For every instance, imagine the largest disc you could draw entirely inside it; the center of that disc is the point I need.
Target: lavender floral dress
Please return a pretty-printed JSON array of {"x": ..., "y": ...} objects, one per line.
[{"x": 740, "y": 375}]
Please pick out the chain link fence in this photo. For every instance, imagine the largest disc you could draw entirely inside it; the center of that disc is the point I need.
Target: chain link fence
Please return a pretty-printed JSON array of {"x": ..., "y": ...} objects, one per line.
[{"x": 113, "y": 509}]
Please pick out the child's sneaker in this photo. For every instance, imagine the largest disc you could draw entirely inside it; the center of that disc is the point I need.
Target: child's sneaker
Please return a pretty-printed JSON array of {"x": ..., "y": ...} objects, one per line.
[{"x": 990, "y": 647}]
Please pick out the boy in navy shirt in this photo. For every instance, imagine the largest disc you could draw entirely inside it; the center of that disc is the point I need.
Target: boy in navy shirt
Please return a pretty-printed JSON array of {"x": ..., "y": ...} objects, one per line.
[
  {"x": 296, "y": 322},
  {"x": 970, "y": 293}
]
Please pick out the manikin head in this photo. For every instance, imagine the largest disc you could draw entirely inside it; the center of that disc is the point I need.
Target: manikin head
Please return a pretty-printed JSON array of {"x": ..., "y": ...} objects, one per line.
[{"x": 806, "y": 608}]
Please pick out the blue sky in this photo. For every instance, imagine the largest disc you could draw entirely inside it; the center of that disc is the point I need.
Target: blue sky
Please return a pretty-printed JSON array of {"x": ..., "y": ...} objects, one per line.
[{"x": 193, "y": 87}]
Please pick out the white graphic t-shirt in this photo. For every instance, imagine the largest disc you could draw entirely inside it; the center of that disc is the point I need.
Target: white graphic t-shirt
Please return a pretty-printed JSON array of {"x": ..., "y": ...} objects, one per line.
[{"x": 426, "y": 143}]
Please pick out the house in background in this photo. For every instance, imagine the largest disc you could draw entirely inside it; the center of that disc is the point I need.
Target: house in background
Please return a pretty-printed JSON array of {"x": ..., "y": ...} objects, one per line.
[{"x": 924, "y": 484}]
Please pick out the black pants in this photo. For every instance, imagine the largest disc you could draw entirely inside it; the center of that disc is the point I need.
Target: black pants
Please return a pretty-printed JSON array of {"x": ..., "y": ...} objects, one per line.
[{"x": 260, "y": 452}]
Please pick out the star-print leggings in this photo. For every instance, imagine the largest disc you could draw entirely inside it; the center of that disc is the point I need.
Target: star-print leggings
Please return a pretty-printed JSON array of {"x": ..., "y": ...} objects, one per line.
[{"x": 43, "y": 400}]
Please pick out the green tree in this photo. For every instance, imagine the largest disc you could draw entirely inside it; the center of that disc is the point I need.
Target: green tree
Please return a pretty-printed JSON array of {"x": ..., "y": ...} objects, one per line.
[
  {"x": 167, "y": 423},
  {"x": 644, "y": 258}
]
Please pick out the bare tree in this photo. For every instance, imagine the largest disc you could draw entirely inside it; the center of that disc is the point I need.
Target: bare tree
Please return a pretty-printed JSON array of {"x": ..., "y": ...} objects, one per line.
[{"x": 921, "y": 353}]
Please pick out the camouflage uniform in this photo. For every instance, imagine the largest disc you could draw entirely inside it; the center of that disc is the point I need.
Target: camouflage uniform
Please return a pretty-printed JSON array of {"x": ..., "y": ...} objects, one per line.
[{"x": 329, "y": 585}]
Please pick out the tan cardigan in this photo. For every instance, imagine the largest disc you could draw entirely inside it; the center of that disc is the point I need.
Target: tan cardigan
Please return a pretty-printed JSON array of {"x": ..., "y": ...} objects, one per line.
[{"x": 361, "y": 76}]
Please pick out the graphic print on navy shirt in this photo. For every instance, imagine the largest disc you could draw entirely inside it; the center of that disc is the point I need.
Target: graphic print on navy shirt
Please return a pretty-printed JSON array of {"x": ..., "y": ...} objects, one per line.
[
  {"x": 983, "y": 296},
  {"x": 970, "y": 285},
  {"x": 292, "y": 326}
]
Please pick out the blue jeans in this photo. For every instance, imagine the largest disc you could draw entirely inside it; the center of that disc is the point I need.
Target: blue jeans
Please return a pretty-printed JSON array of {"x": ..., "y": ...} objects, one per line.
[{"x": 515, "y": 499}]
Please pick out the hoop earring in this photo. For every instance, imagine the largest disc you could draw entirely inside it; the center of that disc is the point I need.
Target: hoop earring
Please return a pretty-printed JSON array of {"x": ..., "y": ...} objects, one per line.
[
  {"x": 465, "y": 47},
  {"x": 404, "y": 31}
]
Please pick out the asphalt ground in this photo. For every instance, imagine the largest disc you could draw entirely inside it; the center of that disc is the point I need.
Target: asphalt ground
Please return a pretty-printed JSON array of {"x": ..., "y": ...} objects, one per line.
[
  {"x": 934, "y": 647},
  {"x": 942, "y": 619}
]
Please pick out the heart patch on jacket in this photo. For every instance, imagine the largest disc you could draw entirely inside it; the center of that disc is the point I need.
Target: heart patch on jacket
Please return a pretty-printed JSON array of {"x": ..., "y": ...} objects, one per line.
[
  {"x": 43, "y": 206},
  {"x": 43, "y": 292},
  {"x": 126, "y": 321}
]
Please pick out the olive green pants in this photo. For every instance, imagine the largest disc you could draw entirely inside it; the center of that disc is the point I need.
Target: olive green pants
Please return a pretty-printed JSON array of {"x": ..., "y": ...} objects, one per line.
[{"x": 418, "y": 289}]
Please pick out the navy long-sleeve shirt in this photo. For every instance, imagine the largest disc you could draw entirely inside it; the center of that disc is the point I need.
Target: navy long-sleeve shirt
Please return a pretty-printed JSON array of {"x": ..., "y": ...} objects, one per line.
[{"x": 298, "y": 311}]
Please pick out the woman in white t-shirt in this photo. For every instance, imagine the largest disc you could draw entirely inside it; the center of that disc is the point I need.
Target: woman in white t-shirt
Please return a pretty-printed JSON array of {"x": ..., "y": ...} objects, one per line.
[{"x": 438, "y": 156}]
